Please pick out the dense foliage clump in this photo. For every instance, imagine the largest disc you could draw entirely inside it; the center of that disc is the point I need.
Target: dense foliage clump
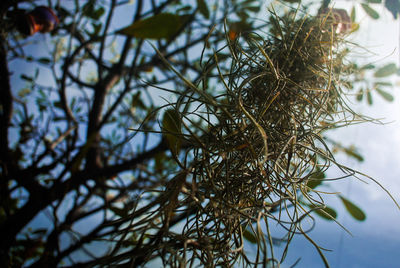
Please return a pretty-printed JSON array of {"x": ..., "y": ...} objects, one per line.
[{"x": 263, "y": 146}]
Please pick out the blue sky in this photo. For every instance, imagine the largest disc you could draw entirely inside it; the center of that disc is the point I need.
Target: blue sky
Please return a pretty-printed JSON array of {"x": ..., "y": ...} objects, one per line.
[{"x": 375, "y": 242}]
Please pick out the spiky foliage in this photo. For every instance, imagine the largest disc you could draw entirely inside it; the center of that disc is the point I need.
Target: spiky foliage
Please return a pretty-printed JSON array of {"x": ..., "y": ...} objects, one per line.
[{"x": 263, "y": 144}]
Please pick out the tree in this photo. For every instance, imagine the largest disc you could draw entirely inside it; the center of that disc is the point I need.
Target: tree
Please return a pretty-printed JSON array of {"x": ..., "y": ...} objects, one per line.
[{"x": 192, "y": 177}]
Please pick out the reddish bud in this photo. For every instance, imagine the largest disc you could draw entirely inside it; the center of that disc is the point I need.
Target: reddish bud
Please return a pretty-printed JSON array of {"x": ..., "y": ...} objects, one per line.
[
  {"x": 41, "y": 19},
  {"x": 338, "y": 18},
  {"x": 232, "y": 35}
]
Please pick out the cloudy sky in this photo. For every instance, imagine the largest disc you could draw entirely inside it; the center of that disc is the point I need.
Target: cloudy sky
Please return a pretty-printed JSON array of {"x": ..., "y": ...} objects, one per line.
[{"x": 375, "y": 242}]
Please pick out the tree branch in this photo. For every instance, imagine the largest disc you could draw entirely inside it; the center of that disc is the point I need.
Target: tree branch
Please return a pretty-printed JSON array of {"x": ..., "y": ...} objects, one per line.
[
  {"x": 5, "y": 120},
  {"x": 42, "y": 198}
]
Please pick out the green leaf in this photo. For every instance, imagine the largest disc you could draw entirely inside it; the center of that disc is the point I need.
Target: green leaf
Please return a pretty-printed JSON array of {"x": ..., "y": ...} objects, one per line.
[
  {"x": 122, "y": 212},
  {"x": 23, "y": 92},
  {"x": 374, "y": 1},
  {"x": 360, "y": 95},
  {"x": 90, "y": 11},
  {"x": 393, "y": 6},
  {"x": 98, "y": 13},
  {"x": 250, "y": 236},
  {"x": 171, "y": 127},
  {"x": 44, "y": 61},
  {"x": 58, "y": 104},
  {"x": 292, "y": 1},
  {"x": 325, "y": 212},
  {"x": 354, "y": 211},
  {"x": 26, "y": 78},
  {"x": 240, "y": 26},
  {"x": 315, "y": 180},
  {"x": 202, "y": 6},
  {"x": 249, "y": 2},
  {"x": 164, "y": 25},
  {"x": 351, "y": 151},
  {"x": 159, "y": 161},
  {"x": 96, "y": 29},
  {"x": 254, "y": 9},
  {"x": 353, "y": 14},
  {"x": 325, "y": 3},
  {"x": 137, "y": 101},
  {"x": 368, "y": 67},
  {"x": 243, "y": 15},
  {"x": 385, "y": 84},
  {"x": 355, "y": 27},
  {"x": 184, "y": 9},
  {"x": 370, "y": 11},
  {"x": 369, "y": 97},
  {"x": 386, "y": 70},
  {"x": 387, "y": 96}
]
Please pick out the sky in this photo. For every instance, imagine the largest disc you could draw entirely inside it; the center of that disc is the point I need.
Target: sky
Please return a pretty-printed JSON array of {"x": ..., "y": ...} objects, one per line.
[{"x": 375, "y": 242}]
